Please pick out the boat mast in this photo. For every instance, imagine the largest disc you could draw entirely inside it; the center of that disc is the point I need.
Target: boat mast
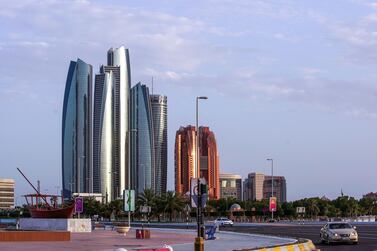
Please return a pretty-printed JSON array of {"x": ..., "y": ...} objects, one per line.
[{"x": 43, "y": 197}]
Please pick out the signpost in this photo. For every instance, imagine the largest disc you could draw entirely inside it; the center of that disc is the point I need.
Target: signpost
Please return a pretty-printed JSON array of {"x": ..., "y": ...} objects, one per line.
[
  {"x": 129, "y": 200},
  {"x": 79, "y": 205},
  {"x": 301, "y": 212},
  {"x": 194, "y": 191}
]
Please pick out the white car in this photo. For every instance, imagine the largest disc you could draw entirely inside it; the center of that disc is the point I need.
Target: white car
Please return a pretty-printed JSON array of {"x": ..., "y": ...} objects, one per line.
[
  {"x": 224, "y": 222},
  {"x": 339, "y": 232}
]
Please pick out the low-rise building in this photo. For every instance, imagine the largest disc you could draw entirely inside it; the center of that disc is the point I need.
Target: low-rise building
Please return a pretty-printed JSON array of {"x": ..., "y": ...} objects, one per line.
[
  {"x": 258, "y": 186},
  {"x": 6, "y": 193},
  {"x": 230, "y": 186}
]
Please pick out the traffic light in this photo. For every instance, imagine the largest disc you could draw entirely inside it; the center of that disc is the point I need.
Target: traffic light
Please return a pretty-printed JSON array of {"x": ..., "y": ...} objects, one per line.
[{"x": 203, "y": 188}]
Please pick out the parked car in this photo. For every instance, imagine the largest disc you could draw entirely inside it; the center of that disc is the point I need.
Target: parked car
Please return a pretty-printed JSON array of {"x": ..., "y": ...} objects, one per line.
[
  {"x": 223, "y": 221},
  {"x": 339, "y": 232}
]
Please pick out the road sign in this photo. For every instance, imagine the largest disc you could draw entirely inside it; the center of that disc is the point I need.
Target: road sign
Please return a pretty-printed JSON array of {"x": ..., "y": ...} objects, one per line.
[
  {"x": 129, "y": 200},
  {"x": 273, "y": 205},
  {"x": 300, "y": 210},
  {"x": 79, "y": 205},
  {"x": 145, "y": 209},
  {"x": 194, "y": 192}
]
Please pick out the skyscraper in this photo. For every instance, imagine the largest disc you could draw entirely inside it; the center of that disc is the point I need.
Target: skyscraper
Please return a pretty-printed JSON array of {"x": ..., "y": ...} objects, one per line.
[
  {"x": 209, "y": 161},
  {"x": 160, "y": 127},
  {"x": 119, "y": 57},
  {"x": 184, "y": 158},
  {"x": 103, "y": 134},
  {"x": 185, "y": 151},
  {"x": 111, "y": 123},
  {"x": 142, "y": 140},
  {"x": 77, "y": 129}
]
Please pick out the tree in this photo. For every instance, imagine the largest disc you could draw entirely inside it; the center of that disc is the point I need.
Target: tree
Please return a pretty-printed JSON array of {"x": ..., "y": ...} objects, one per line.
[{"x": 173, "y": 203}]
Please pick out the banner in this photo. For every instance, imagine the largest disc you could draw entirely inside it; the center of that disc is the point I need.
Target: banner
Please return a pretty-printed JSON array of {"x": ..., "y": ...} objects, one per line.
[
  {"x": 79, "y": 205},
  {"x": 273, "y": 204}
]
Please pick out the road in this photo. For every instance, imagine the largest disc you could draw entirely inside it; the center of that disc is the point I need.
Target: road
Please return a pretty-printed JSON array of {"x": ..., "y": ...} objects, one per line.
[{"x": 367, "y": 235}]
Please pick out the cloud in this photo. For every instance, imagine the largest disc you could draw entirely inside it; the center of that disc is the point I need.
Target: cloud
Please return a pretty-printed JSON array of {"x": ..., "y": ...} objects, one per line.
[{"x": 187, "y": 50}]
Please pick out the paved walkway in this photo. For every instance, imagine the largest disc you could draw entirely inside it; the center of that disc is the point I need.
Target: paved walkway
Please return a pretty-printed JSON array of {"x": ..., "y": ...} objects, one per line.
[{"x": 181, "y": 240}]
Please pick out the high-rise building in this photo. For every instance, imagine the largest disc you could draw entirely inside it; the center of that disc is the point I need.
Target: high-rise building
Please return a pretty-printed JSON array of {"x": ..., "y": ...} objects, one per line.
[
  {"x": 77, "y": 129},
  {"x": 142, "y": 140},
  {"x": 185, "y": 152},
  {"x": 258, "y": 186},
  {"x": 160, "y": 128},
  {"x": 6, "y": 193},
  {"x": 111, "y": 123},
  {"x": 103, "y": 134},
  {"x": 209, "y": 161},
  {"x": 119, "y": 57},
  {"x": 230, "y": 186}
]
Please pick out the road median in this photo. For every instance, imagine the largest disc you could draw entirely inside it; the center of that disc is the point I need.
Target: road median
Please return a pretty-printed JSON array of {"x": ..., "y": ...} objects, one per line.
[{"x": 301, "y": 245}]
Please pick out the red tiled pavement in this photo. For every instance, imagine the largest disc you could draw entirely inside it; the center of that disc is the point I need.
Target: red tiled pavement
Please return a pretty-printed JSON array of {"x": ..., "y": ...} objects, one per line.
[{"x": 102, "y": 240}]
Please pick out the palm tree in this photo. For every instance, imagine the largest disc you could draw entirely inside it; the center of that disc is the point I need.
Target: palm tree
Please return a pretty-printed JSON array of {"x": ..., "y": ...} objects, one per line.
[
  {"x": 173, "y": 203},
  {"x": 147, "y": 198}
]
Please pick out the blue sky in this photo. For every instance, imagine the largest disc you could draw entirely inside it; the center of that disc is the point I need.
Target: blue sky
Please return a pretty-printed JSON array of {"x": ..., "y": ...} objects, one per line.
[{"x": 289, "y": 80}]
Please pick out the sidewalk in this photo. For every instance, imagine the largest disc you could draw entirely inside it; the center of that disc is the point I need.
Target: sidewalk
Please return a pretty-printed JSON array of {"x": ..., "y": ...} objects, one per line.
[{"x": 179, "y": 239}]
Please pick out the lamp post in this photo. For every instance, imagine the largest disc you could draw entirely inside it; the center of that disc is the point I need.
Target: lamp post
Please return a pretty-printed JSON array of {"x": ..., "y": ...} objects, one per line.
[
  {"x": 272, "y": 183},
  {"x": 200, "y": 226},
  {"x": 129, "y": 176}
]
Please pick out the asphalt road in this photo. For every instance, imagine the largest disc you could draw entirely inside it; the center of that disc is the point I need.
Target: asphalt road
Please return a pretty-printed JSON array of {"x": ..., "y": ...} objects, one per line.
[{"x": 367, "y": 235}]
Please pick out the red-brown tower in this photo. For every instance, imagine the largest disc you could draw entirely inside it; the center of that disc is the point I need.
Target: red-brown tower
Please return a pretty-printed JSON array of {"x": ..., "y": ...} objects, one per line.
[
  {"x": 209, "y": 161},
  {"x": 185, "y": 152}
]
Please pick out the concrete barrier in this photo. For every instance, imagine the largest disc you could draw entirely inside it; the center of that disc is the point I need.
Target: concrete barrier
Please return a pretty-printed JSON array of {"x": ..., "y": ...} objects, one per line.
[
  {"x": 19, "y": 235},
  {"x": 306, "y": 245}
]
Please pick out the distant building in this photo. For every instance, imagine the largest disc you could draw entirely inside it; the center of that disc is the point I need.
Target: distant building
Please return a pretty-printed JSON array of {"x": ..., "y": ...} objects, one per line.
[
  {"x": 230, "y": 186},
  {"x": 185, "y": 154},
  {"x": 253, "y": 187},
  {"x": 6, "y": 193},
  {"x": 370, "y": 195},
  {"x": 258, "y": 186},
  {"x": 159, "y": 106},
  {"x": 280, "y": 188}
]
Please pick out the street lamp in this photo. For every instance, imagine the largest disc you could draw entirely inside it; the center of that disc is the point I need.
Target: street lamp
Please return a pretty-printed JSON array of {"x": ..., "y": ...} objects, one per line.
[
  {"x": 272, "y": 183},
  {"x": 78, "y": 183},
  {"x": 129, "y": 175},
  {"x": 199, "y": 208}
]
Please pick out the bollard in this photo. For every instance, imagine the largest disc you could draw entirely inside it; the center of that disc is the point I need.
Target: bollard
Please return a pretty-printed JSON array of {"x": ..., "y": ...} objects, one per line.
[{"x": 199, "y": 244}]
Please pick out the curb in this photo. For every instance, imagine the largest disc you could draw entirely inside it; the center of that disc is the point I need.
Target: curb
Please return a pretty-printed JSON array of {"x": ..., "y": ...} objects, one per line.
[{"x": 305, "y": 246}]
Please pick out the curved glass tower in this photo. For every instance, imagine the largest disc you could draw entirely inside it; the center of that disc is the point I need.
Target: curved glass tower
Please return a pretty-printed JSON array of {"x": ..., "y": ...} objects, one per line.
[
  {"x": 160, "y": 128},
  {"x": 142, "y": 154},
  {"x": 102, "y": 131},
  {"x": 119, "y": 57},
  {"x": 76, "y": 130}
]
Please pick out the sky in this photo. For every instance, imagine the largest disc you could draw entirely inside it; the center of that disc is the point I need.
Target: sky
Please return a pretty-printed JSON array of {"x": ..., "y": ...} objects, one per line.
[{"x": 290, "y": 80}]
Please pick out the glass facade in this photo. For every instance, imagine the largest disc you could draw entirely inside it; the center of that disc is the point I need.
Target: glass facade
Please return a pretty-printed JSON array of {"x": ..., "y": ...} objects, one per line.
[
  {"x": 103, "y": 135},
  {"x": 160, "y": 128},
  {"x": 142, "y": 155},
  {"x": 76, "y": 129}
]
